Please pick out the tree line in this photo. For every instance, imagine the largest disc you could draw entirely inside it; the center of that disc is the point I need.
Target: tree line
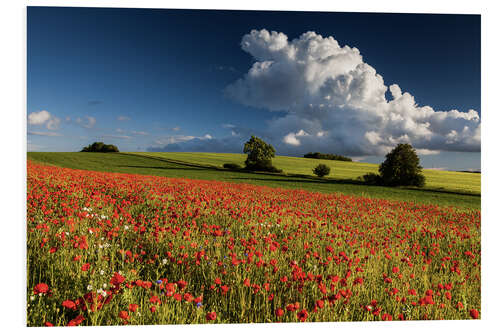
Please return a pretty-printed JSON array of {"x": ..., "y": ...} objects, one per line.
[
  {"x": 322, "y": 156},
  {"x": 400, "y": 168}
]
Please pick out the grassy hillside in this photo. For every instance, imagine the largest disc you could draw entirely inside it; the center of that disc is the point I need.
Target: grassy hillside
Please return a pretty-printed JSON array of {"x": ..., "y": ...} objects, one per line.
[
  {"x": 156, "y": 165},
  {"x": 463, "y": 182}
]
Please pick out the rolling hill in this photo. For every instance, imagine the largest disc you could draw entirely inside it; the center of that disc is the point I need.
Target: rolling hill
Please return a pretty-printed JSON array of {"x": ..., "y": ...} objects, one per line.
[
  {"x": 462, "y": 182},
  {"x": 444, "y": 188}
]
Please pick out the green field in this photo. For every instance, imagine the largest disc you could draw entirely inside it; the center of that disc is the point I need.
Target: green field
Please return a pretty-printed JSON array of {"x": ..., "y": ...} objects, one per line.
[
  {"x": 444, "y": 188},
  {"x": 462, "y": 182}
]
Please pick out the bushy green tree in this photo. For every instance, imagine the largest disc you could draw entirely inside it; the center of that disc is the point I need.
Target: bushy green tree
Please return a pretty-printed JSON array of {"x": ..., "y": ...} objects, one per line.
[
  {"x": 321, "y": 170},
  {"x": 100, "y": 147},
  {"x": 259, "y": 154},
  {"x": 402, "y": 167}
]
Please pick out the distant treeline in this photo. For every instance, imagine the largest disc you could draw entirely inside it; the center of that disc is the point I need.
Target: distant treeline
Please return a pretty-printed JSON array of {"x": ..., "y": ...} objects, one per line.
[
  {"x": 100, "y": 147},
  {"x": 321, "y": 156}
]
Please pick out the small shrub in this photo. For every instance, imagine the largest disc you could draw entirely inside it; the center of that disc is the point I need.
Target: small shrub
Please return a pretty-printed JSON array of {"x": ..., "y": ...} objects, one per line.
[
  {"x": 263, "y": 167},
  {"x": 321, "y": 170},
  {"x": 372, "y": 179},
  {"x": 231, "y": 166},
  {"x": 274, "y": 169}
]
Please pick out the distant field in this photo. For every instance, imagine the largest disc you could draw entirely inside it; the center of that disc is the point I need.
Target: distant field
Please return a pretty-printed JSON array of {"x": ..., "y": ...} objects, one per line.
[
  {"x": 155, "y": 164},
  {"x": 463, "y": 182}
]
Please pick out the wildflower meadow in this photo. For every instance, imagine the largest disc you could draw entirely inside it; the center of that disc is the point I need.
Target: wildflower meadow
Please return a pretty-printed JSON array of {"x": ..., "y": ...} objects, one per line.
[{"x": 122, "y": 249}]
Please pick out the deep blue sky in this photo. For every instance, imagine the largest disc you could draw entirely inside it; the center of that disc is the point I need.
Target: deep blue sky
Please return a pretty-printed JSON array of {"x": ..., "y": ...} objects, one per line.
[{"x": 166, "y": 69}]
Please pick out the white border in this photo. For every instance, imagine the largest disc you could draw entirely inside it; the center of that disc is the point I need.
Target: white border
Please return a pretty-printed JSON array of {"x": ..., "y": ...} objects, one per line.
[{"x": 13, "y": 200}]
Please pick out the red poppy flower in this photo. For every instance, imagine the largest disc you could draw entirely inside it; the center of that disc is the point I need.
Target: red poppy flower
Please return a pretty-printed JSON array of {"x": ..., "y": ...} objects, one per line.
[
  {"x": 302, "y": 315},
  {"x": 279, "y": 312},
  {"x": 123, "y": 315},
  {"x": 155, "y": 299},
  {"x": 386, "y": 317},
  {"x": 320, "y": 303},
  {"x": 117, "y": 279},
  {"x": 474, "y": 313},
  {"x": 181, "y": 284},
  {"x": 41, "y": 288},
  {"x": 76, "y": 321},
  {"x": 211, "y": 316},
  {"x": 69, "y": 304}
]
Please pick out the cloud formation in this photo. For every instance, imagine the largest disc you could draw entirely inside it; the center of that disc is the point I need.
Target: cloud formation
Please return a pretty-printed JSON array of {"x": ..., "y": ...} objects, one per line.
[
  {"x": 174, "y": 139},
  {"x": 335, "y": 102},
  {"x": 112, "y": 136},
  {"x": 205, "y": 143},
  {"x": 88, "y": 122},
  {"x": 140, "y": 133},
  {"x": 44, "y": 118},
  {"x": 44, "y": 133}
]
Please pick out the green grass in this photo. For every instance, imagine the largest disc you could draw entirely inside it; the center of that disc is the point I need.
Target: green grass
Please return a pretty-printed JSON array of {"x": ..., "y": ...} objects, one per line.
[
  {"x": 157, "y": 164},
  {"x": 450, "y": 181}
]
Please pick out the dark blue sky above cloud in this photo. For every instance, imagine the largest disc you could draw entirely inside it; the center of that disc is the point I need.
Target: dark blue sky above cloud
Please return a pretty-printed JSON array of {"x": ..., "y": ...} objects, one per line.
[{"x": 164, "y": 72}]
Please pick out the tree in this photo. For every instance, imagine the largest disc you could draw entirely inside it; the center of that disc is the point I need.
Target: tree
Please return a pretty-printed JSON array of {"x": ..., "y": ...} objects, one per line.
[
  {"x": 100, "y": 147},
  {"x": 259, "y": 154},
  {"x": 402, "y": 167},
  {"x": 321, "y": 170},
  {"x": 321, "y": 156}
]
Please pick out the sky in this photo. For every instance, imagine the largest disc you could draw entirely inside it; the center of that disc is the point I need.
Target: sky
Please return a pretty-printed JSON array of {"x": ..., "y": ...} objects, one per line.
[{"x": 197, "y": 80}]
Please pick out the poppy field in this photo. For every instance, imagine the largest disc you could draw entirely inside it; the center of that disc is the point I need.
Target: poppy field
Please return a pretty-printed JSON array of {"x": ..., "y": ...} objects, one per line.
[{"x": 124, "y": 249}]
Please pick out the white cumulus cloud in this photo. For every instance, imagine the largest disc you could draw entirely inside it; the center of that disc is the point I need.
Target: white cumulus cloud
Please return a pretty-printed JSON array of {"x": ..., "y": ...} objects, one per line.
[
  {"x": 44, "y": 118},
  {"x": 293, "y": 138},
  {"x": 335, "y": 102}
]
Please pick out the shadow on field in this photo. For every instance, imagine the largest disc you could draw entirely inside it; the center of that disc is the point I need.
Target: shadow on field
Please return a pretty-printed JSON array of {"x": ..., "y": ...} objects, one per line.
[
  {"x": 167, "y": 160},
  {"x": 301, "y": 179},
  {"x": 442, "y": 191},
  {"x": 278, "y": 177},
  {"x": 160, "y": 168}
]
